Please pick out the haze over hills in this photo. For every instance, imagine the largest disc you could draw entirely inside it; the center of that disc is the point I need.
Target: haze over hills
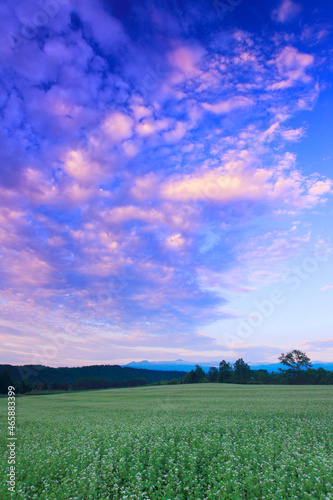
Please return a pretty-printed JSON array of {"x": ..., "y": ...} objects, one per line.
[{"x": 183, "y": 365}]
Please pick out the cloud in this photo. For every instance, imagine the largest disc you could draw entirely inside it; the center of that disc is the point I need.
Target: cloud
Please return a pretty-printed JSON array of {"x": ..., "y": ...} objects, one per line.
[
  {"x": 176, "y": 134},
  {"x": 286, "y": 11},
  {"x": 237, "y": 182},
  {"x": 220, "y": 186},
  {"x": 292, "y": 65},
  {"x": 187, "y": 59},
  {"x": 118, "y": 126},
  {"x": 293, "y": 135},
  {"x": 78, "y": 167},
  {"x": 138, "y": 167},
  {"x": 320, "y": 345},
  {"x": 121, "y": 214},
  {"x": 149, "y": 126},
  {"x": 145, "y": 187},
  {"x": 326, "y": 288},
  {"x": 228, "y": 105}
]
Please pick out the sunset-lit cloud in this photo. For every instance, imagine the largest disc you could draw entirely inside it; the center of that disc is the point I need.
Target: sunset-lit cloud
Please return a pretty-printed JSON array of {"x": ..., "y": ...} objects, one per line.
[{"x": 154, "y": 175}]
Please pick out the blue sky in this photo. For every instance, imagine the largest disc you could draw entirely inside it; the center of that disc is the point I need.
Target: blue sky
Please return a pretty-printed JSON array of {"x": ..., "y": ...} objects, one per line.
[{"x": 165, "y": 181}]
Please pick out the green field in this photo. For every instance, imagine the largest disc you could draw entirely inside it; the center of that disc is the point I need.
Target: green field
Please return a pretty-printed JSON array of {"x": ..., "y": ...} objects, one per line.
[{"x": 205, "y": 441}]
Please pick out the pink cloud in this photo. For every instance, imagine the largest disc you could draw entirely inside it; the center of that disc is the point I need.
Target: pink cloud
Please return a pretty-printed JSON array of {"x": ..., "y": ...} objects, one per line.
[
  {"x": 286, "y": 11},
  {"x": 225, "y": 107},
  {"x": 149, "y": 126},
  {"x": 175, "y": 241},
  {"x": 293, "y": 135},
  {"x": 292, "y": 66},
  {"x": 322, "y": 348},
  {"x": 176, "y": 134},
  {"x": 106, "y": 30},
  {"x": 321, "y": 187},
  {"x": 83, "y": 170},
  {"x": 140, "y": 111},
  {"x": 239, "y": 180},
  {"x": 220, "y": 186},
  {"x": 316, "y": 192},
  {"x": 70, "y": 225},
  {"x": 145, "y": 187},
  {"x": 12, "y": 222},
  {"x": 130, "y": 212},
  {"x": 118, "y": 126},
  {"x": 26, "y": 268},
  {"x": 187, "y": 59},
  {"x": 39, "y": 188},
  {"x": 60, "y": 114}
]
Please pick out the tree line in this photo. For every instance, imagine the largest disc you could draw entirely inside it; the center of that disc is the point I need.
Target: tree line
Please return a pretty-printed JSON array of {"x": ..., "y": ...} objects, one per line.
[
  {"x": 87, "y": 383},
  {"x": 296, "y": 369},
  {"x": 29, "y": 378}
]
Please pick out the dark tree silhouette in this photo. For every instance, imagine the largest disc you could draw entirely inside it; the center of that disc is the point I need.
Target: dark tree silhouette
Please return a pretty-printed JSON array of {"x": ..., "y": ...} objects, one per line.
[
  {"x": 213, "y": 374},
  {"x": 225, "y": 371},
  {"x": 5, "y": 381},
  {"x": 295, "y": 360},
  {"x": 242, "y": 371}
]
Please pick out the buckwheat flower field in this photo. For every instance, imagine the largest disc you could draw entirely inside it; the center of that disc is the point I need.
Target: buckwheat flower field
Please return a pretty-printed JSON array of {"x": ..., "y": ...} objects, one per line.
[{"x": 197, "y": 442}]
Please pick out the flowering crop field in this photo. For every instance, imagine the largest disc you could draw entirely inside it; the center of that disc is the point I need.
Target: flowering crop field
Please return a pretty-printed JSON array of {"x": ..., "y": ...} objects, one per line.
[{"x": 205, "y": 441}]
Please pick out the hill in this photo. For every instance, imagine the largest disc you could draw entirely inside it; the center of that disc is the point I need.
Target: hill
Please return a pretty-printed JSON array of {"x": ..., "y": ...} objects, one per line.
[{"x": 114, "y": 373}]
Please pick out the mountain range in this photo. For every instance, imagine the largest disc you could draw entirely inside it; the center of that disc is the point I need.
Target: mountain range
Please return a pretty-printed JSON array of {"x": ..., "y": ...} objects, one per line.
[{"x": 186, "y": 366}]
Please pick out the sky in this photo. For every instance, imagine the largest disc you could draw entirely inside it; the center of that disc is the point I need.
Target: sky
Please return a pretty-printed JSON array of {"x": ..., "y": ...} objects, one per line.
[{"x": 165, "y": 180}]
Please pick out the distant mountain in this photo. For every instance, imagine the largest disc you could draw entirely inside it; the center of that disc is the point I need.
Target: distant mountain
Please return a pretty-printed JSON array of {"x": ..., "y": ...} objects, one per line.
[{"x": 180, "y": 364}]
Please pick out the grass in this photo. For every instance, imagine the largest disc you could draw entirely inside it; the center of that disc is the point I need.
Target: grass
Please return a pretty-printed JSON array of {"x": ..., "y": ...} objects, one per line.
[{"x": 206, "y": 441}]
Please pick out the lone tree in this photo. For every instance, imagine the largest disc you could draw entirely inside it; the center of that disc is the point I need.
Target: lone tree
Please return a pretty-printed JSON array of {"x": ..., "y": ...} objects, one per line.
[{"x": 295, "y": 360}]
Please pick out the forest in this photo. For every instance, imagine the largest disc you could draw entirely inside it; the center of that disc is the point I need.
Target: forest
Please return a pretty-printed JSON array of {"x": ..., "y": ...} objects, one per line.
[
  {"x": 30, "y": 378},
  {"x": 296, "y": 369}
]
